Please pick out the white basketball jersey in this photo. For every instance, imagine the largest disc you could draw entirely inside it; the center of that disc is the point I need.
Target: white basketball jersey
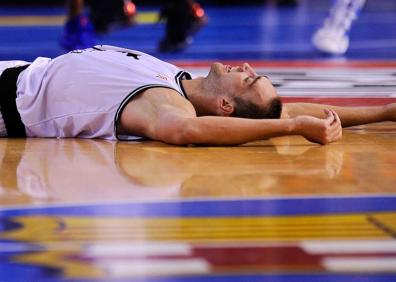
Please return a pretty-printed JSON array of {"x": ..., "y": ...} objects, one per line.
[{"x": 82, "y": 93}]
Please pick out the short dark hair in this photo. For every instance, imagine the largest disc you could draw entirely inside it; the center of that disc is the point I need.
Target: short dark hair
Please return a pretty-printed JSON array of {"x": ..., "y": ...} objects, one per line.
[{"x": 244, "y": 108}]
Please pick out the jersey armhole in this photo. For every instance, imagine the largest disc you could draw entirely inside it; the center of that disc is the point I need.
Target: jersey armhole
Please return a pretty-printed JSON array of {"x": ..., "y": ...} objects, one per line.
[{"x": 127, "y": 99}]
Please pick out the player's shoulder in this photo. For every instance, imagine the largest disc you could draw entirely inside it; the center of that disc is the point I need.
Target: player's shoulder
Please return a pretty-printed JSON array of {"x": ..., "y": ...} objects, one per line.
[
  {"x": 159, "y": 99},
  {"x": 142, "y": 112},
  {"x": 165, "y": 95}
]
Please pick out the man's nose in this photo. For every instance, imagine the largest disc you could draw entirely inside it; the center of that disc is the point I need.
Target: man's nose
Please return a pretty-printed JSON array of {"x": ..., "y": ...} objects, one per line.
[
  {"x": 237, "y": 69},
  {"x": 249, "y": 69}
]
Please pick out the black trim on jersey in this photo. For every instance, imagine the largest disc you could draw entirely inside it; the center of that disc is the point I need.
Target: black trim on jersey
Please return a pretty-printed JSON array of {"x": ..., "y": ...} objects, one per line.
[
  {"x": 128, "y": 98},
  {"x": 179, "y": 77},
  {"x": 8, "y": 108}
]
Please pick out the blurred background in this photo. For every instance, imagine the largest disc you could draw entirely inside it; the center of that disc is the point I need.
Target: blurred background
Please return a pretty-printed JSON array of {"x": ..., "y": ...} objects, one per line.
[{"x": 232, "y": 30}]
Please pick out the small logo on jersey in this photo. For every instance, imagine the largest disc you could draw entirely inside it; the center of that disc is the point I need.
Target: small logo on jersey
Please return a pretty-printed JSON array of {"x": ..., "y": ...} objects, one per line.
[{"x": 162, "y": 76}]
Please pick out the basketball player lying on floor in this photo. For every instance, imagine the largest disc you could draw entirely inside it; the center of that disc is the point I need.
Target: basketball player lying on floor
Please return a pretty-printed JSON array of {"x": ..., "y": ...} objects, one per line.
[{"x": 113, "y": 93}]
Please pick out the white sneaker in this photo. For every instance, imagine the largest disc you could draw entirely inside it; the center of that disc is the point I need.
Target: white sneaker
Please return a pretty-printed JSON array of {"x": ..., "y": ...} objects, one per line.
[
  {"x": 332, "y": 38},
  {"x": 330, "y": 41}
]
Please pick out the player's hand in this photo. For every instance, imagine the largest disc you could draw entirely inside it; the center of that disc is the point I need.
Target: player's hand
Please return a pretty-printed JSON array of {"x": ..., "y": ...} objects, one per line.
[{"x": 322, "y": 131}]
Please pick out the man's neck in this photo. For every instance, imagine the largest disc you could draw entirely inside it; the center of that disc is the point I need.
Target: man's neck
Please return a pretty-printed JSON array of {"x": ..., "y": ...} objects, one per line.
[{"x": 197, "y": 96}]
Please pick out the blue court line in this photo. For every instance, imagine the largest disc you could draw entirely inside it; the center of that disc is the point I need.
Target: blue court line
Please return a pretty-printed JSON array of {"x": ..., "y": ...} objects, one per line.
[
  {"x": 230, "y": 208},
  {"x": 327, "y": 277}
]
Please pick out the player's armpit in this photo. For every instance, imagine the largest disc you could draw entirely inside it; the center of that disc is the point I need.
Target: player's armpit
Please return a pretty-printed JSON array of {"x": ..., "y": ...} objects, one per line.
[{"x": 155, "y": 114}]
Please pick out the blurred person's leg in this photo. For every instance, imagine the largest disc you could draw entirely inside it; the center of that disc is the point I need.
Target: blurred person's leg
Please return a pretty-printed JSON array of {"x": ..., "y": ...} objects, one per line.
[
  {"x": 81, "y": 31},
  {"x": 333, "y": 37},
  {"x": 78, "y": 31},
  {"x": 184, "y": 18},
  {"x": 108, "y": 14},
  {"x": 74, "y": 8}
]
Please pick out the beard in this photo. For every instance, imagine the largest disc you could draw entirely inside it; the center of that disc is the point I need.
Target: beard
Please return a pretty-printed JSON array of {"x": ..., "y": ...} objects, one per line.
[
  {"x": 216, "y": 70},
  {"x": 214, "y": 76}
]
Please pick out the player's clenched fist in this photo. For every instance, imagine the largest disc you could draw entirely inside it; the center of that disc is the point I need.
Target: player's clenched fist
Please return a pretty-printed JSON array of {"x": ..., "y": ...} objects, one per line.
[{"x": 322, "y": 131}]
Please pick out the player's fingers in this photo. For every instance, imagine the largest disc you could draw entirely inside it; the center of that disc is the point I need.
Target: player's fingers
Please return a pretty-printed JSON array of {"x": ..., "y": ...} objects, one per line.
[
  {"x": 336, "y": 120},
  {"x": 329, "y": 116}
]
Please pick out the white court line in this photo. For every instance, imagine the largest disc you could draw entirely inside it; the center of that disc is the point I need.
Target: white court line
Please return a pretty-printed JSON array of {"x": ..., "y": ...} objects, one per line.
[
  {"x": 349, "y": 247},
  {"x": 138, "y": 249},
  {"x": 360, "y": 264},
  {"x": 152, "y": 267}
]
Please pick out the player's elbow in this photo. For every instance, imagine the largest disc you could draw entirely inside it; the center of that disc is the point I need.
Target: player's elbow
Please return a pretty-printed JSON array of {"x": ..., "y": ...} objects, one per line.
[
  {"x": 176, "y": 138},
  {"x": 182, "y": 133},
  {"x": 186, "y": 134}
]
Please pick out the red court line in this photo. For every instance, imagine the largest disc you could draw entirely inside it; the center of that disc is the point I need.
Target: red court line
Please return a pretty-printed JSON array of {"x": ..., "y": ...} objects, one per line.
[
  {"x": 295, "y": 64},
  {"x": 337, "y": 101}
]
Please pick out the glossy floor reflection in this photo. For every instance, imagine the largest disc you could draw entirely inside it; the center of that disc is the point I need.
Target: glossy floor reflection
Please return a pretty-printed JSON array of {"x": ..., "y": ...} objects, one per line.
[
  {"x": 277, "y": 210},
  {"x": 61, "y": 171}
]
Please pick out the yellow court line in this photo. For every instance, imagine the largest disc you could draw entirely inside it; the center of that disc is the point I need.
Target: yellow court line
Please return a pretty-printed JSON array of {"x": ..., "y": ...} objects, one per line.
[
  {"x": 141, "y": 18},
  {"x": 75, "y": 233},
  {"x": 284, "y": 228}
]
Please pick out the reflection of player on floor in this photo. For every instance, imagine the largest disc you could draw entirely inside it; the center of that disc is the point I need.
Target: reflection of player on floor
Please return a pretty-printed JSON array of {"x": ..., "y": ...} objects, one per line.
[
  {"x": 114, "y": 93},
  {"x": 183, "y": 19},
  {"x": 332, "y": 37}
]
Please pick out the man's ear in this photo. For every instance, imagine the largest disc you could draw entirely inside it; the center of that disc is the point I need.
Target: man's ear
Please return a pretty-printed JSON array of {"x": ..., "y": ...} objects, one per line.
[{"x": 226, "y": 107}]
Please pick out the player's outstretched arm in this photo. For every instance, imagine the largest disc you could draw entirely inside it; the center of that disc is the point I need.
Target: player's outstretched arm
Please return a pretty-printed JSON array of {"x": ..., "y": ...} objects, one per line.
[
  {"x": 210, "y": 130},
  {"x": 172, "y": 119},
  {"x": 349, "y": 116}
]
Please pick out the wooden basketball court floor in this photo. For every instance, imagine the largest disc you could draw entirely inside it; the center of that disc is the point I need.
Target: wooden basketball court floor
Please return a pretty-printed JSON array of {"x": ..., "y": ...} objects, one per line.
[
  {"x": 281, "y": 209},
  {"x": 276, "y": 210}
]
